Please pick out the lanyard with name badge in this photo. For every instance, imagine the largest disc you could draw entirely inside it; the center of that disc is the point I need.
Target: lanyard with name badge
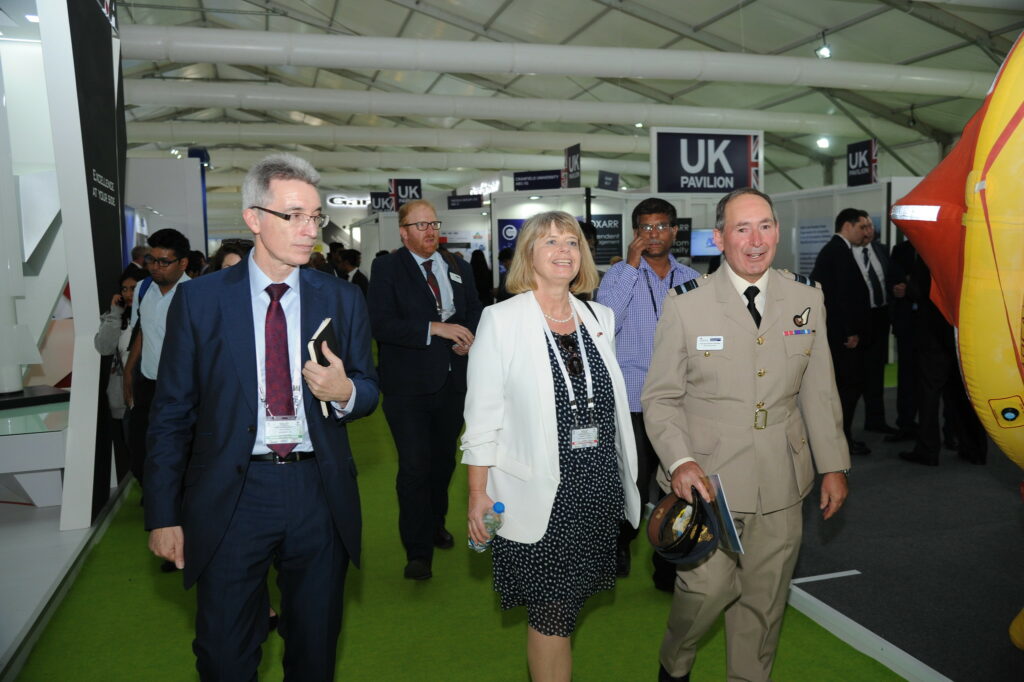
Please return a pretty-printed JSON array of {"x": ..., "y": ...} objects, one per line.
[
  {"x": 585, "y": 436},
  {"x": 285, "y": 429},
  {"x": 650, "y": 289}
]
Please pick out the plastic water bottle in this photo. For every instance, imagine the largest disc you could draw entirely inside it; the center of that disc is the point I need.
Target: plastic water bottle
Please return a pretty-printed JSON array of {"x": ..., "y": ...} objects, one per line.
[{"x": 492, "y": 522}]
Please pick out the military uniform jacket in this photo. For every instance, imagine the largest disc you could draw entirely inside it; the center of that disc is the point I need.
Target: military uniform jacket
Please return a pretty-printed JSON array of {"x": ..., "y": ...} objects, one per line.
[{"x": 759, "y": 407}]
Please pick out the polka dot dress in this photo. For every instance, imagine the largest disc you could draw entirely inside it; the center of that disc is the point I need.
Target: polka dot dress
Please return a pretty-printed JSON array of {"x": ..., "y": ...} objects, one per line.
[{"x": 576, "y": 556}]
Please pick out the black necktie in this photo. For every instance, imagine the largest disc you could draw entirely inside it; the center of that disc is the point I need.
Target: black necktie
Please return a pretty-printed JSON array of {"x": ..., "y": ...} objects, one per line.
[
  {"x": 751, "y": 293},
  {"x": 876, "y": 285}
]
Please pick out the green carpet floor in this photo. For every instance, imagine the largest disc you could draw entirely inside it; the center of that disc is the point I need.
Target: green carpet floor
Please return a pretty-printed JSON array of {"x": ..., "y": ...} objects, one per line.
[{"x": 124, "y": 620}]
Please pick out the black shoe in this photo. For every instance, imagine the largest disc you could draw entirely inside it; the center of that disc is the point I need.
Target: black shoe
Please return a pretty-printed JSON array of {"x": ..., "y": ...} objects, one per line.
[
  {"x": 663, "y": 676},
  {"x": 881, "y": 428},
  {"x": 858, "y": 447},
  {"x": 900, "y": 435},
  {"x": 418, "y": 569},
  {"x": 272, "y": 622},
  {"x": 622, "y": 561},
  {"x": 168, "y": 567},
  {"x": 920, "y": 458},
  {"x": 443, "y": 539},
  {"x": 971, "y": 457},
  {"x": 951, "y": 443}
]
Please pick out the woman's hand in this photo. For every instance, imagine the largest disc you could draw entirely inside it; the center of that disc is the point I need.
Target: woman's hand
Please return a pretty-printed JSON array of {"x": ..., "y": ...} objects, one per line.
[{"x": 479, "y": 504}]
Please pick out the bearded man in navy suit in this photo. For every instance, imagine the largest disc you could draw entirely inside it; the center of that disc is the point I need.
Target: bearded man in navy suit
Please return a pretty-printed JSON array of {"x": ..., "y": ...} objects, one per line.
[{"x": 245, "y": 468}]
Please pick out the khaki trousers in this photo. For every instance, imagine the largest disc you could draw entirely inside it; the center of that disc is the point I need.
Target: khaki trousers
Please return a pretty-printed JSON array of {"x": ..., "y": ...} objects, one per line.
[{"x": 751, "y": 587}]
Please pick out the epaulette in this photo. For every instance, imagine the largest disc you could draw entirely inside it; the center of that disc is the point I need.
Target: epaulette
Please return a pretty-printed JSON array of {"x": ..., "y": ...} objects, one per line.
[
  {"x": 802, "y": 279},
  {"x": 688, "y": 285}
]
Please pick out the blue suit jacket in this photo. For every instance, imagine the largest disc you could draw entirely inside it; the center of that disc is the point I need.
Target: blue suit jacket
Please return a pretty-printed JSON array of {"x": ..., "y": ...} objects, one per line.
[{"x": 208, "y": 387}]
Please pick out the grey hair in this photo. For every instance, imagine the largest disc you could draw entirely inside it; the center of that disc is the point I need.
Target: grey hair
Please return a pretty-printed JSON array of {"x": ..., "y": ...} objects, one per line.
[
  {"x": 724, "y": 201},
  {"x": 275, "y": 167}
]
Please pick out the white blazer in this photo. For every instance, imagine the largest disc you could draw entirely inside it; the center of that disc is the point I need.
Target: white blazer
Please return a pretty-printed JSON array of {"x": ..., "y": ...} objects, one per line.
[{"x": 510, "y": 412}]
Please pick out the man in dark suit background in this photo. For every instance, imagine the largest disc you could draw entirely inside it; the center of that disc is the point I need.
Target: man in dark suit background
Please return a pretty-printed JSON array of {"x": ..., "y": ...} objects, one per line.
[
  {"x": 903, "y": 328},
  {"x": 424, "y": 311},
  {"x": 873, "y": 260},
  {"x": 848, "y": 306},
  {"x": 349, "y": 269},
  {"x": 235, "y": 372}
]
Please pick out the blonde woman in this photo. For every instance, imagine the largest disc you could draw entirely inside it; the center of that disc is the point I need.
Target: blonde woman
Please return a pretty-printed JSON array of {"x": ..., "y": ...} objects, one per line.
[{"x": 548, "y": 433}]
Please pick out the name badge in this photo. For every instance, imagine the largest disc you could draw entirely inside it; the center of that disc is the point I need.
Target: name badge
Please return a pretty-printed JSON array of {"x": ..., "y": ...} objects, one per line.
[
  {"x": 455, "y": 278},
  {"x": 280, "y": 430},
  {"x": 584, "y": 438},
  {"x": 710, "y": 343}
]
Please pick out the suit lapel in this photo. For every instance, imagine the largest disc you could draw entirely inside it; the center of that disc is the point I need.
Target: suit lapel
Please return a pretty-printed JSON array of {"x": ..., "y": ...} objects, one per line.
[
  {"x": 410, "y": 264},
  {"x": 313, "y": 308},
  {"x": 236, "y": 310},
  {"x": 773, "y": 309}
]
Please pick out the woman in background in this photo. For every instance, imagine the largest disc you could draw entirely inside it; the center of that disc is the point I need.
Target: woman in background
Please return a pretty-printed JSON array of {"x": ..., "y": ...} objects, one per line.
[
  {"x": 548, "y": 433},
  {"x": 482, "y": 276},
  {"x": 113, "y": 338}
]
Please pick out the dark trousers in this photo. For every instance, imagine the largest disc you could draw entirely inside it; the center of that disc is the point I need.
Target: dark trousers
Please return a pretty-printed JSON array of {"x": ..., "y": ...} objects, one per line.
[
  {"x": 143, "y": 390},
  {"x": 849, "y": 368},
  {"x": 939, "y": 379},
  {"x": 281, "y": 517},
  {"x": 646, "y": 466},
  {"x": 876, "y": 352},
  {"x": 425, "y": 429},
  {"x": 906, "y": 380}
]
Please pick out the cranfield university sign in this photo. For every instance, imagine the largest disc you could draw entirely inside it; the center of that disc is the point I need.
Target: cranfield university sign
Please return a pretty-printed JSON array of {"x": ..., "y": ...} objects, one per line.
[{"x": 694, "y": 160}]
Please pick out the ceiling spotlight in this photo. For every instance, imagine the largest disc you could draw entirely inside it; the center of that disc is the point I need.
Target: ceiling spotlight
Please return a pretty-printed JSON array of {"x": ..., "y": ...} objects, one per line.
[
  {"x": 32, "y": 18},
  {"x": 823, "y": 143},
  {"x": 638, "y": 124},
  {"x": 823, "y": 51},
  {"x": 483, "y": 212},
  {"x": 534, "y": 197},
  {"x": 623, "y": 188}
]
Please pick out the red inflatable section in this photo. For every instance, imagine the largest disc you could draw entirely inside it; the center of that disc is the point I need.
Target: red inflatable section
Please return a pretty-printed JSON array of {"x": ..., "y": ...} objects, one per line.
[{"x": 940, "y": 241}]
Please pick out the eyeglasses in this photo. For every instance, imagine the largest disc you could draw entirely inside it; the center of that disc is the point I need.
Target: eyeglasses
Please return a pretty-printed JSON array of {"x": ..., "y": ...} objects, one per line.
[
  {"x": 660, "y": 227},
  {"x": 299, "y": 219},
  {"x": 160, "y": 262},
  {"x": 573, "y": 361},
  {"x": 424, "y": 225}
]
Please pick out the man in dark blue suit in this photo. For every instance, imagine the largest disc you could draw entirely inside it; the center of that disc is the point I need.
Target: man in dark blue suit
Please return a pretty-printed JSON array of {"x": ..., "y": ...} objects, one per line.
[
  {"x": 424, "y": 309},
  {"x": 244, "y": 468}
]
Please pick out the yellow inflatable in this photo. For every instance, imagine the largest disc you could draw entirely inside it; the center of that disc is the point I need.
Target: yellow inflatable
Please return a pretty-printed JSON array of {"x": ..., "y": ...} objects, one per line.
[{"x": 966, "y": 219}]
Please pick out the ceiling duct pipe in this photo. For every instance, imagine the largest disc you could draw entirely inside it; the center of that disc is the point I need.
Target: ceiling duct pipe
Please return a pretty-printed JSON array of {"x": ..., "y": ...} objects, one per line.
[
  {"x": 237, "y": 158},
  {"x": 260, "y": 97},
  {"x": 229, "y": 46},
  {"x": 179, "y": 132},
  {"x": 373, "y": 179}
]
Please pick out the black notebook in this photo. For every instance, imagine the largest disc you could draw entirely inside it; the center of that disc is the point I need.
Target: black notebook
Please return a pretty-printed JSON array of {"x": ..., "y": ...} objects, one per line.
[{"x": 325, "y": 332}]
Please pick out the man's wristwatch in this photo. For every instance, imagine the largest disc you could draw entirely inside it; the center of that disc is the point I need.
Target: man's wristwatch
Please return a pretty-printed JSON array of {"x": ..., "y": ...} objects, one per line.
[{"x": 844, "y": 472}]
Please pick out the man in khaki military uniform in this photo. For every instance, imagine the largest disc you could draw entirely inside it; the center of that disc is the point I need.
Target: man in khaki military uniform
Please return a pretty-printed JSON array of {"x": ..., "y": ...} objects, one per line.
[{"x": 741, "y": 385}]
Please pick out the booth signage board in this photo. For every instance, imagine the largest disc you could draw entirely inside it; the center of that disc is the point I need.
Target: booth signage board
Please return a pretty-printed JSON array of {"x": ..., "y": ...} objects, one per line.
[
  {"x": 572, "y": 166},
  {"x": 609, "y": 236},
  {"x": 404, "y": 191},
  {"x": 381, "y": 201},
  {"x": 508, "y": 232},
  {"x": 607, "y": 180},
  {"x": 862, "y": 163},
  {"x": 526, "y": 181},
  {"x": 693, "y": 160},
  {"x": 813, "y": 236},
  {"x": 465, "y": 201},
  {"x": 681, "y": 245}
]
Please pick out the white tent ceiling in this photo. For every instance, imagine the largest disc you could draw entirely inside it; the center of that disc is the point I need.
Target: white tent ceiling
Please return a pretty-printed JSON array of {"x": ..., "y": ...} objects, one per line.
[{"x": 464, "y": 75}]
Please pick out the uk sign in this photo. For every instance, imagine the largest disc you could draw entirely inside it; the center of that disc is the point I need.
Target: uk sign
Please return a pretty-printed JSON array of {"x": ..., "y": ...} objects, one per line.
[
  {"x": 862, "y": 163},
  {"x": 692, "y": 160}
]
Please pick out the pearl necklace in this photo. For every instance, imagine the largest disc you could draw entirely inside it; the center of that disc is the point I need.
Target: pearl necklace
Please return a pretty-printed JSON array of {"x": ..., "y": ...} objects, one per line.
[{"x": 556, "y": 320}]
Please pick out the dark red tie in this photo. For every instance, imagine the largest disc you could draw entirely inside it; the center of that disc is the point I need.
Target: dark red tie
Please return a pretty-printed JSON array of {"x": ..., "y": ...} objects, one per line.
[
  {"x": 278, "y": 371},
  {"x": 428, "y": 265}
]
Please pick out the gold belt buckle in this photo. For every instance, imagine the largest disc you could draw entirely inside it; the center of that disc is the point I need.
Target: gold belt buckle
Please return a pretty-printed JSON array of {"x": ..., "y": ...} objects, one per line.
[{"x": 760, "y": 419}]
